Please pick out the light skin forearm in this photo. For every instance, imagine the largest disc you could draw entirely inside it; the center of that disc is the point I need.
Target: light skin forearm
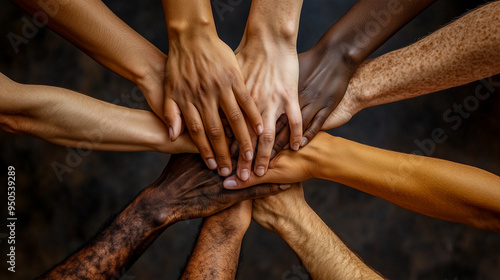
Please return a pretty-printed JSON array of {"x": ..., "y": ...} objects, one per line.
[
  {"x": 71, "y": 119},
  {"x": 187, "y": 19},
  {"x": 434, "y": 187},
  {"x": 323, "y": 254},
  {"x": 466, "y": 50},
  {"x": 93, "y": 28}
]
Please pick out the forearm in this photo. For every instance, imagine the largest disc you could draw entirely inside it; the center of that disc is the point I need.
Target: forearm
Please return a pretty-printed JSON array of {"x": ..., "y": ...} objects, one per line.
[
  {"x": 71, "y": 119},
  {"x": 92, "y": 27},
  {"x": 367, "y": 25},
  {"x": 434, "y": 187},
  {"x": 216, "y": 252},
  {"x": 276, "y": 22},
  {"x": 113, "y": 250},
  {"x": 464, "y": 51},
  {"x": 188, "y": 19},
  {"x": 323, "y": 254}
]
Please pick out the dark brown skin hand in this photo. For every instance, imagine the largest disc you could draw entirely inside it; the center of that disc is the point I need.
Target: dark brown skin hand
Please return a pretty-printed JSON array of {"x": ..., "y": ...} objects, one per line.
[
  {"x": 185, "y": 190},
  {"x": 326, "y": 69}
]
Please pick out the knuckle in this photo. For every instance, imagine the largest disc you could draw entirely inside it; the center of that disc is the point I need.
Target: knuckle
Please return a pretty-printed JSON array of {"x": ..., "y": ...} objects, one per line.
[
  {"x": 214, "y": 132},
  {"x": 267, "y": 137},
  {"x": 235, "y": 115},
  {"x": 195, "y": 128}
]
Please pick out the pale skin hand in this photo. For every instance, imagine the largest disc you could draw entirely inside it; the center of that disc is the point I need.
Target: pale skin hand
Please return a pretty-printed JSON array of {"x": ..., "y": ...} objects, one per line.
[
  {"x": 464, "y": 51},
  {"x": 325, "y": 69},
  {"x": 185, "y": 190},
  {"x": 202, "y": 75},
  {"x": 97, "y": 31},
  {"x": 268, "y": 59},
  {"x": 433, "y": 187},
  {"x": 323, "y": 254},
  {"x": 217, "y": 249},
  {"x": 71, "y": 119}
]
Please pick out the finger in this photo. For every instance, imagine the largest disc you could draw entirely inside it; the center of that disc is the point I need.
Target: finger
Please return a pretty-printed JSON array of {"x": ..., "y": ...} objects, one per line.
[
  {"x": 295, "y": 122},
  {"x": 244, "y": 166},
  {"x": 246, "y": 102},
  {"x": 196, "y": 129},
  {"x": 217, "y": 138},
  {"x": 235, "y": 183},
  {"x": 225, "y": 123},
  {"x": 281, "y": 141},
  {"x": 172, "y": 118},
  {"x": 238, "y": 124},
  {"x": 308, "y": 114},
  {"x": 266, "y": 142},
  {"x": 315, "y": 125},
  {"x": 281, "y": 123}
]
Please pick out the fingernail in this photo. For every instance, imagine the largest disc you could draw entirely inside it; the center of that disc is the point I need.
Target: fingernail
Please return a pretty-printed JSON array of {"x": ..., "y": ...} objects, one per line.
[
  {"x": 230, "y": 184},
  {"x": 284, "y": 187},
  {"x": 248, "y": 155},
  {"x": 245, "y": 174},
  {"x": 304, "y": 142},
  {"x": 273, "y": 153},
  {"x": 212, "y": 164},
  {"x": 224, "y": 171},
  {"x": 260, "y": 171},
  {"x": 287, "y": 146},
  {"x": 171, "y": 133},
  {"x": 260, "y": 129},
  {"x": 296, "y": 146}
]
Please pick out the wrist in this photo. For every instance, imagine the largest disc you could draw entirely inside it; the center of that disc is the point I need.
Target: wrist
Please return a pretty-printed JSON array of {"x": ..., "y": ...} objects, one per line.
[{"x": 283, "y": 35}]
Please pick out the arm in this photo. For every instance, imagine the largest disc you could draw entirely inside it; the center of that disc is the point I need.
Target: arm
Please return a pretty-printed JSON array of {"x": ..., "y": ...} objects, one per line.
[
  {"x": 185, "y": 190},
  {"x": 202, "y": 75},
  {"x": 321, "y": 251},
  {"x": 433, "y": 187},
  {"x": 268, "y": 59},
  {"x": 325, "y": 69},
  {"x": 97, "y": 31},
  {"x": 217, "y": 249},
  {"x": 464, "y": 51},
  {"x": 68, "y": 118}
]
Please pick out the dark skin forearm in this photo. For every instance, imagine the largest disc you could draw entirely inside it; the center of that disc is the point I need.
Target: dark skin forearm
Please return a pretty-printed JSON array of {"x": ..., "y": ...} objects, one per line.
[
  {"x": 368, "y": 24},
  {"x": 185, "y": 190},
  {"x": 111, "y": 251}
]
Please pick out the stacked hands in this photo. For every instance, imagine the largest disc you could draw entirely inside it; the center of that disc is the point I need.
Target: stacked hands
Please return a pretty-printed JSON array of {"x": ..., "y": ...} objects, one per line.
[{"x": 257, "y": 113}]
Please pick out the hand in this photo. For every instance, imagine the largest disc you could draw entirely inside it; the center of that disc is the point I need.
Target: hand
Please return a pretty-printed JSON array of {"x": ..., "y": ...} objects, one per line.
[
  {"x": 271, "y": 75},
  {"x": 187, "y": 190},
  {"x": 202, "y": 75},
  {"x": 324, "y": 77},
  {"x": 275, "y": 210},
  {"x": 289, "y": 166}
]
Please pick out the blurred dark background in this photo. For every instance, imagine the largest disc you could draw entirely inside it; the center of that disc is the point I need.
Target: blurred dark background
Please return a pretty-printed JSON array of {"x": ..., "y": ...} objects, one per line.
[{"x": 55, "y": 218}]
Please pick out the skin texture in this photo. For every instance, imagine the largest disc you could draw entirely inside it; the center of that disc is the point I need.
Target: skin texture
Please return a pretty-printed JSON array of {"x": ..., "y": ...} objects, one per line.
[
  {"x": 217, "y": 249},
  {"x": 185, "y": 190},
  {"x": 97, "y": 31},
  {"x": 323, "y": 254},
  {"x": 268, "y": 59},
  {"x": 433, "y": 187},
  {"x": 327, "y": 68},
  {"x": 203, "y": 75},
  {"x": 68, "y": 118},
  {"x": 464, "y": 51}
]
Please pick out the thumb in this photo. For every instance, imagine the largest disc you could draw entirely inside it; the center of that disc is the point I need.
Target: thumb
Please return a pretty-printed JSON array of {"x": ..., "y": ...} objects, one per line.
[{"x": 173, "y": 118}]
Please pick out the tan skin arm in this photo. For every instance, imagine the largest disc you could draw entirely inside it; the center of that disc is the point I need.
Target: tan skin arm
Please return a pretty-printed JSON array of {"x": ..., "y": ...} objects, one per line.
[
  {"x": 321, "y": 251},
  {"x": 434, "y": 187},
  {"x": 464, "y": 51},
  {"x": 67, "y": 118}
]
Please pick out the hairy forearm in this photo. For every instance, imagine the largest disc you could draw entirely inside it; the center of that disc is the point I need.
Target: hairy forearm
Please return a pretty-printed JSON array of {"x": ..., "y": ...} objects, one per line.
[
  {"x": 216, "y": 252},
  {"x": 113, "y": 250},
  {"x": 71, "y": 119},
  {"x": 323, "y": 254},
  {"x": 464, "y": 51},
  {"x": 434, "y": 187},
  {"x": 92, "y": 27},
  {"x": 367, "y": 25}
]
